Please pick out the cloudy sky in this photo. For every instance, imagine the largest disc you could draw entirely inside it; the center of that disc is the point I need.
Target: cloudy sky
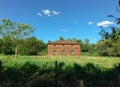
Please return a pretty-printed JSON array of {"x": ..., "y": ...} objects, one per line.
[{"x": 79, "y": 19}]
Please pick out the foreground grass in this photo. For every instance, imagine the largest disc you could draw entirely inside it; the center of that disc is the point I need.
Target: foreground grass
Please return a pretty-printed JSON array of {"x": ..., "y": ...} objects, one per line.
[
  {"x": 103, "y": 62},
  {"x": 94, "y": 71}
]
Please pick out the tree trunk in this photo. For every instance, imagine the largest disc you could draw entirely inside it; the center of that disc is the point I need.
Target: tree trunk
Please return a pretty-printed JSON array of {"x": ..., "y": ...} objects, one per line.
[{"x": 16, "y": 52}]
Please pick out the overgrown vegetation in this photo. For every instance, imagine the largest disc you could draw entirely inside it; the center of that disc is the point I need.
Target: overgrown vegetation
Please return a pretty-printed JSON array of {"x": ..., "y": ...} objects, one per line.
[{"x": 28, "y": 46}]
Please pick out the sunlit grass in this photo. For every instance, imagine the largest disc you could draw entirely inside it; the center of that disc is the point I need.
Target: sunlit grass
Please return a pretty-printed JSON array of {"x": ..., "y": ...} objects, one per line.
[{"x": 103, "y": 62}]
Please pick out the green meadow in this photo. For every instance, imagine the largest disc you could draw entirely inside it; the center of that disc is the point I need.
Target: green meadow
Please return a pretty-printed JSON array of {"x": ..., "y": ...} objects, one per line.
[
  {"x": 94, "y": 71},
  {"x": 103, "y": 62}
]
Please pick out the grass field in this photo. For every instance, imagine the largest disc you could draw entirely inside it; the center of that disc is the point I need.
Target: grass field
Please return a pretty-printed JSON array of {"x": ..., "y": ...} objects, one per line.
[
  {"x": 96, "y": 71},
  {"x": 103, "y": 62}
]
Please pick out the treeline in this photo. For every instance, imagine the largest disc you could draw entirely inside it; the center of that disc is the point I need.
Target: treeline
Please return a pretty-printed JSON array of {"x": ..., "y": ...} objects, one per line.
[
  {"x": 27, "y": 46},
  {"x": 14, "y": 40}
]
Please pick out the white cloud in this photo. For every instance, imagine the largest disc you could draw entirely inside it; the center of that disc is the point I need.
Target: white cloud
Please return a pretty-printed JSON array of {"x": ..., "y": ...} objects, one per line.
[
  {"x": 65, "y": 30},
  {"x": 55, "y": 12},
  {"x": 90, "y": 23},
  {"x": 47, "y": 12},
  {"x": 39, "y": 14},
  {"x": 104, "y": 23}
]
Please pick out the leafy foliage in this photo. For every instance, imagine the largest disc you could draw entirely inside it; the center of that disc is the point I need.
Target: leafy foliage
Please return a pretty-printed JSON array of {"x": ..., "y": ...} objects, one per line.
[
  {"x": 31, "y": 46},
  {"x": 109, "y": 45},
  {"x": 15, "y": 31},
  {"x": 8, "y": 45},
  {"x": 28, "y": 46}
]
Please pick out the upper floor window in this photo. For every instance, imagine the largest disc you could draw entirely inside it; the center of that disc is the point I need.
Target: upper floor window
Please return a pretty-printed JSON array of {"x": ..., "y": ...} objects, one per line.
[
  {"x": 54, "y": 46},
  {"x": 72, "y": 46},
  {"x": 63, "y": 46}
]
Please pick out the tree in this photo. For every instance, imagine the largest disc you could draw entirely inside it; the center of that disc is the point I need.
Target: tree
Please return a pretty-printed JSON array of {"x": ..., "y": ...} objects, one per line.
[
  {"x": 1, "y": 46},
  {"x": 104, "y": 34},
  {"x": 49, "y": 41},
  {"x": 86, "y": 46},
  {"x": 31, "y": 46},
  {"x": 110, "y": 43},
  {"x": 61, "y": 38},
  {"x": 22, "y": 31},
  {"x": 15, "y": 31},
  {"x": 8, "y": 45}
]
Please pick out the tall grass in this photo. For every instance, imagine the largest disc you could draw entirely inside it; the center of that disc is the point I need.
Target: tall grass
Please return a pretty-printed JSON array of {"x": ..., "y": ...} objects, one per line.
[
  {"x": 103, "y": 62},
  {"x": 94, "y": 71}
]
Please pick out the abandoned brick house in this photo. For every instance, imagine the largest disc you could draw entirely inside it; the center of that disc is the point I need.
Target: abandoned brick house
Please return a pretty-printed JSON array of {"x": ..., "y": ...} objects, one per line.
[{"x": 64, "y": 48}]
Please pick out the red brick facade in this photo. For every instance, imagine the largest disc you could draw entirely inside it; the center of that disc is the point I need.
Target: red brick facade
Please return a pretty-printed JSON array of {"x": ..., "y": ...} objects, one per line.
[{"x": 64, "y": 48}]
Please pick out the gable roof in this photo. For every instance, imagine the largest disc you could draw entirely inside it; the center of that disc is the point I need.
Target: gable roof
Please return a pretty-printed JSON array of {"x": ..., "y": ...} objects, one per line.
[{"x": 62, "y": 42}]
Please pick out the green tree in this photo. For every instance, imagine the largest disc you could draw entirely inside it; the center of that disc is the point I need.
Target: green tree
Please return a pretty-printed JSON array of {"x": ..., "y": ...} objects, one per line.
[
  {"x": 8, "y": 45},
  {"x": 22, "y": 31},
  {"x": 16, "y": 31},
  {"x": 1, "y": 46},
  {"x": 86, "y": 46},
  {"x": 110, "y": 43},
  {"x": 61, "y": 38},
  {"x": 31, "y": 46},
  {"x": 109, "y": 46}
]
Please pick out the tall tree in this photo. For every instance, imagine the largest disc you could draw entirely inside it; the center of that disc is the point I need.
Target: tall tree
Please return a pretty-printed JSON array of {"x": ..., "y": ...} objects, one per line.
[
  {"x": 15, "y": 31},
  {"x": 22, "y": 31},
  {"x": 109, "y": 45}
]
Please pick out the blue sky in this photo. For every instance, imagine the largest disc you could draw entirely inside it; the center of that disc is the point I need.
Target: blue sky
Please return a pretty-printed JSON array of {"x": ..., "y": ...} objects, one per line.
[{"x": 67, "y": 18}]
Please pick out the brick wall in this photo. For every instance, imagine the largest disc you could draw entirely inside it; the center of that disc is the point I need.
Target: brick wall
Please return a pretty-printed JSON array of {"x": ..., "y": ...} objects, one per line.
[{"x": 69, "y": 49}]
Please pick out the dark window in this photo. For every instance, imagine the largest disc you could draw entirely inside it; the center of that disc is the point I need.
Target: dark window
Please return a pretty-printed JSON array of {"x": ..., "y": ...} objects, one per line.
[
  {"x": 72, "y": 52},
  {"x": 63, "y": 52},
  {"x": 63, "y": 46},
  {"x": 72, "y": 46},
  {"x": 54, "y": 46},
  {"x": 54, "y": 52}
]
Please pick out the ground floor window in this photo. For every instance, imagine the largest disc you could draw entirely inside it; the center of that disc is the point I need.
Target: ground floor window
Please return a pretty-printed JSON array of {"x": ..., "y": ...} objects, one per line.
[
  {"x": 63, "y": 52},
  {"x": 54, "y": 52},
  {"x": 72, "y": 52}
]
